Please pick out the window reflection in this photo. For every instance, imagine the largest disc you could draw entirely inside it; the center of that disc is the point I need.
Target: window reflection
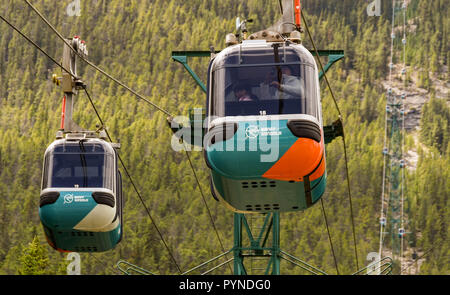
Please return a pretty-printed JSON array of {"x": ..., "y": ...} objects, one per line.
[
  {"x": 270, "y": 90},
  {"x": 78, "y": 166}
]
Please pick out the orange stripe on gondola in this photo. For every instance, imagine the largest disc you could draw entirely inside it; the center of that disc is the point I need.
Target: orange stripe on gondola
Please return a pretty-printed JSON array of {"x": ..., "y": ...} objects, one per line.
[
  {"x": 299, "y": 160},
  {"x": 319, "y": 172}
]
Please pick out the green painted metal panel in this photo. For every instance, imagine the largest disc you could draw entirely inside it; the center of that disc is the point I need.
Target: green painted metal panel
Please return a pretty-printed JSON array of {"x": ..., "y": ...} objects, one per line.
[
  {"x": 182, "y": 57},
  {"x": 264, "y": 195}
]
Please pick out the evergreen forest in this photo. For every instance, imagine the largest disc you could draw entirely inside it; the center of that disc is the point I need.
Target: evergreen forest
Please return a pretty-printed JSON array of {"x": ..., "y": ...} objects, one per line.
[{"x": 133, "y": 40}]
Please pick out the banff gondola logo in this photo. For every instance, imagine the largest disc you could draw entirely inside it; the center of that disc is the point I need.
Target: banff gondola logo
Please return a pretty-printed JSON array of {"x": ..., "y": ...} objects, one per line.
[
  {"x": 263, "y": 136},
  {"x": 252, "y": 131},
  {"x": 70, "y": 198}
]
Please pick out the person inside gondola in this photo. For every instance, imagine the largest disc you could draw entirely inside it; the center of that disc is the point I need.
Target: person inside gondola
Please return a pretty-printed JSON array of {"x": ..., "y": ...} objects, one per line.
[
  {"x": 243, "y": 93},
  {"x": 266, "y": 90},
  {"x": 290, "y": 86}
]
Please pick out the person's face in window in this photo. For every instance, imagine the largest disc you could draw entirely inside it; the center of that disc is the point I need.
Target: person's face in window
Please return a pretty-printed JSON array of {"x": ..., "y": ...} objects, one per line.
[
  {"x": 287, "y": 71},
  {"x": 242, "y": 95}
]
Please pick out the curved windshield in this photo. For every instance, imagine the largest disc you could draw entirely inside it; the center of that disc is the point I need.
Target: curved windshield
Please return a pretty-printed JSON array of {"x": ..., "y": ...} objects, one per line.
[
  {"x": 78, "y": 165},
  {"x": 273, "y": 89}
]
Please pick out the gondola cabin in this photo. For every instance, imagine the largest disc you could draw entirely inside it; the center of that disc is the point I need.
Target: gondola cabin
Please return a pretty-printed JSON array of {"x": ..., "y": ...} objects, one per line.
[
  {"x": 81, "y": 198},
  {"x": 264, "y": 139}
]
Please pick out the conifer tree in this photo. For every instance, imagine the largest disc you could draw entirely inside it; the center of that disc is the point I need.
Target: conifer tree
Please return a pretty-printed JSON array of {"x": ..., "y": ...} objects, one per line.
[{"x": 34, "y": 259}]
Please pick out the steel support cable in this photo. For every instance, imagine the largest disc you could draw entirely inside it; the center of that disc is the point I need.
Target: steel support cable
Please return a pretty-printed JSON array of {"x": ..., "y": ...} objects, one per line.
[
  {"x": 392, "y": 99},
  {"x": 121, "y": 84},
  {"x": 383, "y": 187},
  {"x": 42, "y": 51},
  {"x": 343, "y": 137},
  {"x": 36, "y": 46},
  {"x": 100, "y": 262},
  {"x": 95, "y": 109},
  {"x": 100, "y": 70},
  {"x": 206, "y": 204},
  {"x": 104, "y": 73},
  {"x": 321, "y": 65},
  {"x": 391, "y": 65},
  {"x": 133, "y": 184},
  {"x": 201, "y": 191},
  {"x": 92, "y": 64},
  {"x": 329, "y": 236},
  {"x": 425, "y": 253},
  {"x": 402, "y": 156},
  {"x": 389, "y": 186},
  {"x": 350, "y": 202},
  {"x": 404, "y": 6}
]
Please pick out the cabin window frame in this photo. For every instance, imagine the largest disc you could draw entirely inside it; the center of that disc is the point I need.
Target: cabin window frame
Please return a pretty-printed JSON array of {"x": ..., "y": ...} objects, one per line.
[
  {"x": 107, "y": 173},
  {"x": 312, "y": 92}
]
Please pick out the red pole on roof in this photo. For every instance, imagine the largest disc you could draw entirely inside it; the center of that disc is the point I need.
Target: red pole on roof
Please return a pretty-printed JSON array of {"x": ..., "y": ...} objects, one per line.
[
  {"x": 298, "y": 13},
  {"x": 63, "y": 114}
]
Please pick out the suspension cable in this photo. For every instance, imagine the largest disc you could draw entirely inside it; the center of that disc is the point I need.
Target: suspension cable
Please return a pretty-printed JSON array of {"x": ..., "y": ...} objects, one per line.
[
  {"x": 321, "y": 66},
  {"x": 92, "y": 64},
  {"x": 37, "y": 46},
  {"x": 101, "y": 121},
  {"x": 391, "y": 66},
  {"x": 404, "y": 6},
  {"x": 343, "y": 138},
  {"x": 401, "y": 157},
  {"x": 100, "y": 262},
  {"x": 329, "y": 236},
  {"x": 392, "y": 99},
  {"x": 382, "y": 215},
  {"x": 206, "y": 204},
  {"x": 133, "y": 92},
  {"x": 425, "y": 253},
  {"x": 132, "y": 183}
]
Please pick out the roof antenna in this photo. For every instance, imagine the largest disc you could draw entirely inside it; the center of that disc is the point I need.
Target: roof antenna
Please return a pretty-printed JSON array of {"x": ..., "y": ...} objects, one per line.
[{"x": 241, "y": 27}]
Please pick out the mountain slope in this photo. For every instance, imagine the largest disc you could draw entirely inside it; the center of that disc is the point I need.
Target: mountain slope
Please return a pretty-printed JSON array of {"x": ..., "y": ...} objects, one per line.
[{"x": 133, "y": 40}]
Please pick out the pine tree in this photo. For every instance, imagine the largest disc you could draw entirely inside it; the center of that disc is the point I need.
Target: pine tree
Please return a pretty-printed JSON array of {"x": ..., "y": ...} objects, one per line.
[{"x": 34, "y": 259}]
